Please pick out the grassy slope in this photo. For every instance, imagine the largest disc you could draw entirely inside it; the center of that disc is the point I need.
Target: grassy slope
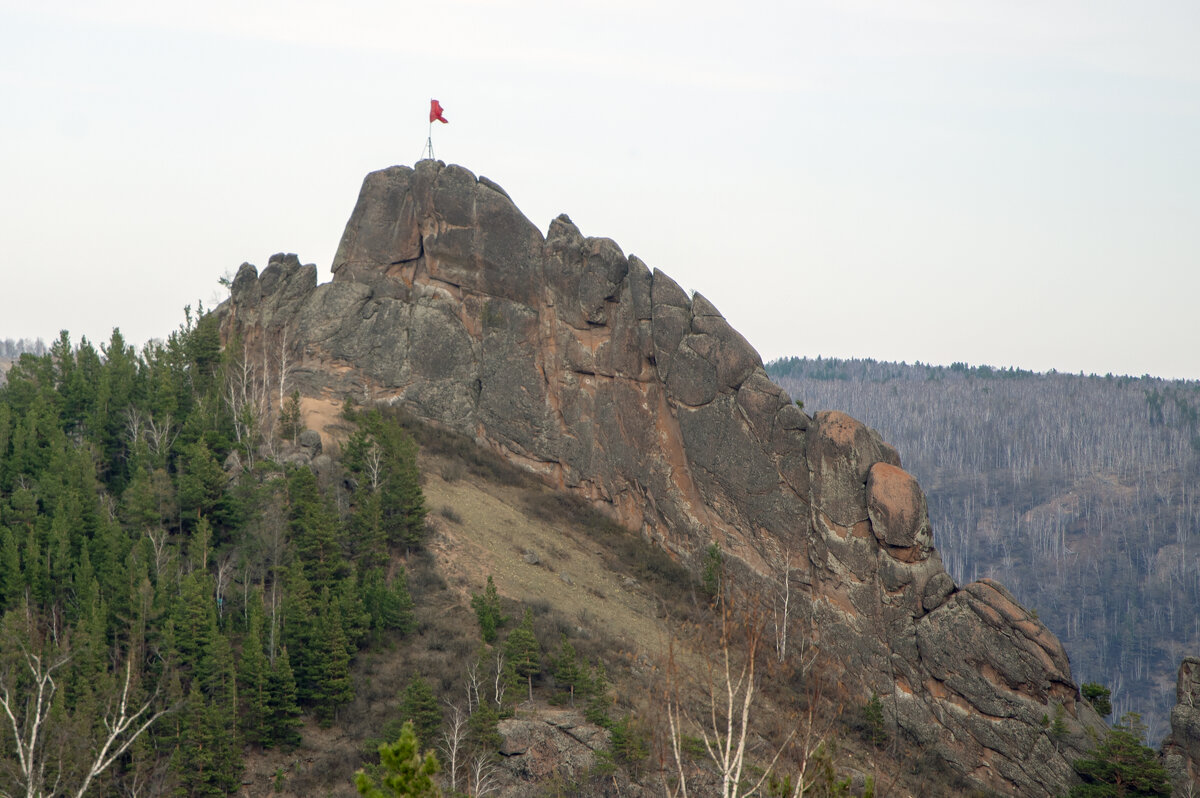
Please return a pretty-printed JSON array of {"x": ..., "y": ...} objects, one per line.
[{"x": 615, "y": 596}]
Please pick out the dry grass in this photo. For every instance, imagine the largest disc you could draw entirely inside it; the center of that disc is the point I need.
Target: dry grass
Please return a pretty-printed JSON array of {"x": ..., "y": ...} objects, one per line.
[
  {"x": 613, "y": 594},
  {"x": 617, "y": 597}
]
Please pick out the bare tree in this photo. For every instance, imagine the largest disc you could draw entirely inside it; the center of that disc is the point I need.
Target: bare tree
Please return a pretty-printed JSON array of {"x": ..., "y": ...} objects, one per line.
[
  {"x": 484, "y": 776},
  {"x": 158, "y": 541},
  {"x": 28, "y": 701},
  {"x": 122, "y": 729},
  {"x": 501, "y": 683},
  {"x": 224, "y": 576},
  {"x": 473, "y": 684},
  {"x": 453, "y": 740},
  {"x": 373, "y": 466},
  {"x": 159, "y": 434},
  {"x": 27, "y": 708},
  {"x": 730, "y": 686}
]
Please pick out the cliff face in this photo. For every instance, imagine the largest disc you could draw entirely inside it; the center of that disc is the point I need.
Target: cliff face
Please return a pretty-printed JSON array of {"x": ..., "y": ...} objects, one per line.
[
  {"x": 1181, "y": 749},
  {"x": 608, "y": 380}
]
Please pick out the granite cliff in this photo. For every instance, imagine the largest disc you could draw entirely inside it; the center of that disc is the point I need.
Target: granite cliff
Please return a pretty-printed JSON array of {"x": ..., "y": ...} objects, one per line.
[
  {"x": 609, "y": 381},
  {"x": 1181, "y": 749}
]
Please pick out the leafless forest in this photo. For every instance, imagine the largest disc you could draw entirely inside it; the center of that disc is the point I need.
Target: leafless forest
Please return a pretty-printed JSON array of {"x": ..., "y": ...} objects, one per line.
[{"x": 1080, "y": 494}]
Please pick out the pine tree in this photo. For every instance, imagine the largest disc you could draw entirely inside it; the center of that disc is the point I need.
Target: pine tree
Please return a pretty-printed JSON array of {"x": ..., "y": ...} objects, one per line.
[
  {"x": 567, "y": 671},
  {"x": 206, "y": 761},
  {"x": 487, "y": 611},
  {"x": 401, "y": 499},
  {"x": 314, "y": 531},
  {"x": 1099, "y": 697},
  {"x": 419, "y": 707},
  {"x": 599, "y": 701},
  {"x": 299, "y": 631},
  {"x": 201, "y": 482},
  {"x": 290, "y": 420},
  {"x": 483, "y": 729},
  {"x": 390, "y": 607},
  {"x": 283, "y": 712},
  {"x": 523, "y": 651},
  {"x": 253, "y": 678},
  {"x": 1121, "y": 766},
  {"x": 408, "y": 773},
  {"x": 332, "y": 686}
]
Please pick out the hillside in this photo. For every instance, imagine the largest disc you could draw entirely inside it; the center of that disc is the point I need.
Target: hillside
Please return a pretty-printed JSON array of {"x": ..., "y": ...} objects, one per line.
[
  {"x": 607, "y": 381},
  {"x": 519, "y": 490},
  {"x": 1078, "y": 492},
  {"x": 270, "y": 618}
]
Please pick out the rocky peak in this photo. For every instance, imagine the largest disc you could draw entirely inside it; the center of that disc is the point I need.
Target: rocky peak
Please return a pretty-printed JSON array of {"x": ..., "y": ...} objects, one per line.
[
  {"x": 1181, "y": 749},
  {"x": 605, "y": 378}
]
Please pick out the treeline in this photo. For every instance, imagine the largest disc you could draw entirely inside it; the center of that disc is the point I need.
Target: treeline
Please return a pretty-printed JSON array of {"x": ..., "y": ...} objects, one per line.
[
  {"x": 1077, "y": 492},
  {"x": 171, "y": 593},
  {"x": 14, "y": 349}
]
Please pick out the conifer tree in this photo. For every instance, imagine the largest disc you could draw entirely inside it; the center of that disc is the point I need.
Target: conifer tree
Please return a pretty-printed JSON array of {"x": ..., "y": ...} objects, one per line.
[
  {"x": 205, "y": 761},
  {"x": 300, "y": 631},
  {"x": 483, "y": 729},
  {"x": 314, "y": 531},
  {"x": 523, "y": 651},
  {"x": 201, "y": 482},
  {"x": 408, "y": 773},
  {"x": 419, "y": 707},
  {"x": 390, "y": 607},
  {"x": 283, "y": 712},
  {"x": 567, "y": 671},
  {"x": 599, "y": 701},
  {"x": 487, "y": 611},
  {"x": 331, "y": 687},
  {"x": 253, "y": 678},
  {"x": 402, "y": 502},
  {"x": 1121, "y": 766}
]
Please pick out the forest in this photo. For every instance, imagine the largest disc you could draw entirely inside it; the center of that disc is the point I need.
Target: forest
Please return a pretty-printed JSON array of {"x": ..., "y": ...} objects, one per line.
[
  {"x": 172, "y": 592},
  {"x": 1079, "y": 493},
  {"x": 189, "y": 584}
]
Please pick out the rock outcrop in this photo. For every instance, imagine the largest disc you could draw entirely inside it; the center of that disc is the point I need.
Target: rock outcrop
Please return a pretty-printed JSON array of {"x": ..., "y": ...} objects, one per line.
[
  {"x": 1181, "y": 749},
  {"x": 608, "y": 380}
]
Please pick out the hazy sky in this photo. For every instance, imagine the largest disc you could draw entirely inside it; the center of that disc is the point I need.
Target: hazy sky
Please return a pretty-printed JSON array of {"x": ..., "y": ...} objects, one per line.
[{"x": 1011, "y": 183}]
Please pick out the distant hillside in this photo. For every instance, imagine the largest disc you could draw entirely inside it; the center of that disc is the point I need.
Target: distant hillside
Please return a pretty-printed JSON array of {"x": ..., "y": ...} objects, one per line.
[
  {"x": 1078, "y": 493},
  {"x": 11, "y": 349}
]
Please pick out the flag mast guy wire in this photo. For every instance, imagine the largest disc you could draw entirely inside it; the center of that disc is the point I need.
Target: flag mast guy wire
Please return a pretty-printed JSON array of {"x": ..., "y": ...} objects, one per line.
[{"x": 435, "y": 113}]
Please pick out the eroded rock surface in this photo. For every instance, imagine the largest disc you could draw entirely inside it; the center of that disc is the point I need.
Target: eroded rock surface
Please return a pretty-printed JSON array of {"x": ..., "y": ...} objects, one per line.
[
  {"x": 1181, "y": 749},
  {"x": 603, "y": 376}
]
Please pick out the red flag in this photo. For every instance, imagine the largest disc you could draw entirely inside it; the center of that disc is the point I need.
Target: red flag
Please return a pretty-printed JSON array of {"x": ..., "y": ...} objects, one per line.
[{"x": 435, "y": 112}]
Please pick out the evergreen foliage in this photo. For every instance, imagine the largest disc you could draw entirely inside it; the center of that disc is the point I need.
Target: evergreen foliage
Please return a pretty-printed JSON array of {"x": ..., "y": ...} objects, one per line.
[
  {"x": 1121, "y": 766},
  {"x": 408, "y": 774},
  {"x": 419, "y": 707},
  {"x": 483, "y": 729},
  {"x": 523, "y": 652},
  {"x": 629, "y": 742},
  {"x": 124, "y": 538},
  {"x": 599, "y": 701},
  {"x": 282, "y": 721},
  {"x": 1099, "y": 697},
  {"x": 568, "y": 672},
  {"x": 488, "y": 612}
]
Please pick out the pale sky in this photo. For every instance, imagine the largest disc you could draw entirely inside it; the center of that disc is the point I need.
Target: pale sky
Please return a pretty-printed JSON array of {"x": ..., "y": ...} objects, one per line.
[{"x": 1011, "y": 183}]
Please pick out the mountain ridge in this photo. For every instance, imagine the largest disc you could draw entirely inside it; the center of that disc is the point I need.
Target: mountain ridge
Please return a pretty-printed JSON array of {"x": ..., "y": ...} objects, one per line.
[{"x": 610, "y": 382}]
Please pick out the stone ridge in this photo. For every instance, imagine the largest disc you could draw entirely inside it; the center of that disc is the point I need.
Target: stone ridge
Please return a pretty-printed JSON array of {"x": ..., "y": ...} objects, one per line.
[
  {"x": 1181, "y": 749},
  {"x": 609, "y": 381}
]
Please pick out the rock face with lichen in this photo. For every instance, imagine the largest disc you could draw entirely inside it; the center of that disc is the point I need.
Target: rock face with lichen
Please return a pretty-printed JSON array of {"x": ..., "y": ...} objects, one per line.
[
  {"x": 605, "y": 378},
  {"x": 1181, "y": 749}
]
